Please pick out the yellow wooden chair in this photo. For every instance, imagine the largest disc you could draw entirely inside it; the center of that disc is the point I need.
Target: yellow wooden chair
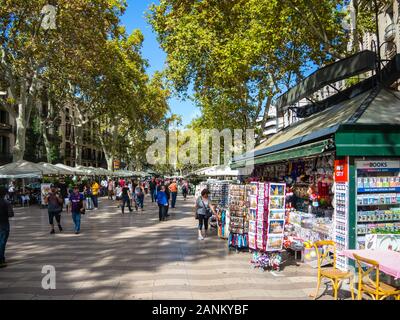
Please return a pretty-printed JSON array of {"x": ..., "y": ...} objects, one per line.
[
  {"x": 328, "y": 255},
  {"x": 377, "y": 289}
]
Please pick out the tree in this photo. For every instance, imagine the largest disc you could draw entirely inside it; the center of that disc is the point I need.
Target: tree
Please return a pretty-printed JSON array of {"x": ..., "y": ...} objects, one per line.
[
  {"x": 30, "y": 54},
  {"x": 240, "y": 54},
  {"x": 363, "y": 20}
]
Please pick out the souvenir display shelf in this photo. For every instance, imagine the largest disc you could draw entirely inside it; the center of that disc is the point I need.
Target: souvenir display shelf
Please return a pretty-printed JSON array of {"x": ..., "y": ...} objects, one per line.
[
  {"x": 236, "y": 218},
  {"x": 266, "y": 223}
]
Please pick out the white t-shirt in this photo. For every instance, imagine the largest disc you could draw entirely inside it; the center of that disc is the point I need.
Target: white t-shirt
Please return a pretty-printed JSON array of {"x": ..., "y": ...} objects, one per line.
[{"x": 104, "y": 183}]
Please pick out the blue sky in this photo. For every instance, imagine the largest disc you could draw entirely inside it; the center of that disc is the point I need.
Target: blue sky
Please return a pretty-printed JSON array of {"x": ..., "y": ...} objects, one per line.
[{"x": 134, "y": 18}]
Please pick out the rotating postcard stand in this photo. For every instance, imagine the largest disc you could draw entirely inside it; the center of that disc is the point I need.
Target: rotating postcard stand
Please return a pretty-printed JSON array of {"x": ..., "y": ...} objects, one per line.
[{"x": 267, "y": 224}]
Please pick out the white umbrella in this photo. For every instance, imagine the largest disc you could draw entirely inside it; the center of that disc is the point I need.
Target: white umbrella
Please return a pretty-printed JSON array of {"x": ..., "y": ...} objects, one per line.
[
  {"x": 86, "y": 170},
  {"x": 20, "y": 169},
  {"x": 71, "y": 170},
  {"x": 50, "y": 169}
]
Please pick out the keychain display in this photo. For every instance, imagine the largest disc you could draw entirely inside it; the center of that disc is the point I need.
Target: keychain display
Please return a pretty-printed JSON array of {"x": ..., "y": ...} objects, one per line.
[{"x": 238, "y": 219}]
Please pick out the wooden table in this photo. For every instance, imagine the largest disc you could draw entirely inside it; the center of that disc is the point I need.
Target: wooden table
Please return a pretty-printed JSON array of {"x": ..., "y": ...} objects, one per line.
[{"x": 389, "y": 261}]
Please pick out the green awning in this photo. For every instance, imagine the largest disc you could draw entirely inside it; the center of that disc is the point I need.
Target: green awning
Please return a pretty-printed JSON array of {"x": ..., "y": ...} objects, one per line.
[
  {"x": 284, "y": 155},
  {"x": 368, "y": 140}
]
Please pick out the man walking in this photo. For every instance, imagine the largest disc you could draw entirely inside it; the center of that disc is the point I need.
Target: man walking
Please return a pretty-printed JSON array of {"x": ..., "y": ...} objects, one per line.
[
  {"x": 5, "y": 212},
  {"x": 54, "y": 203},
  {"x": 104, "y": 185},
  {"x": 173, "y": 188},
  {"x": 152, "y": 187},
  {"x": 76, "y": 208},
  {"x": 95, "y": 194},
  {"x": 126, "y": 198}
]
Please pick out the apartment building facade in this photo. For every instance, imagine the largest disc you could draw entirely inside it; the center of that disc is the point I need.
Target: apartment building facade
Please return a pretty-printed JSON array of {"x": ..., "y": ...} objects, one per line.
[
  {"x": 62, "y": 132},
  {"x": 7, "y": 134}
]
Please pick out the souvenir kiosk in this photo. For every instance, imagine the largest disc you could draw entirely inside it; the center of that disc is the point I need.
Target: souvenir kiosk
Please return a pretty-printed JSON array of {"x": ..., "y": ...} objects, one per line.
[{"x": 357, "y": 130}]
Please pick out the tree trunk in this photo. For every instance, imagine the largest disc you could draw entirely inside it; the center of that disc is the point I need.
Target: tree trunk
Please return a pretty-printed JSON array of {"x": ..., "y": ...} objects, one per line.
[
  {"x": 109, "y": 146},
  {"x": 47, "y": 143},
  {"x": 21, "y": 123},
  {"x": 353, "y": 25},
  {"x": 19, "y": 147},
  {"x": 78, "y": 144},
  {"x": 110, "y": 161}
]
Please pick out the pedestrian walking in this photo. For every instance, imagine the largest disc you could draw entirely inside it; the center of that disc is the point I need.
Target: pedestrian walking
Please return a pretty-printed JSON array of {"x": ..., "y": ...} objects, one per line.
[
  {"x": 87, "y": 193},
  {"x": 162, "y": 202},
  {"x": 95, "y": 194},
  {"x": 173, "y": 188},
  {"x": 104, "y": 185},
  {"x": 185, "y": 190},
  {"x": 152, "y": 187},
  {"x": 111, "y": 188},
  {"x": 139, "y": 196},
  {"x": 76, "y": 208},
  {"x": 168, "y": 197},
  {"x": 54, "y": 202},
  {"x": 62, "y": 186},
  {"x": 126, "y": 198},
  {"x": 6, "y": 212},
  {"x": 204, "y": 211},
  {"x": 11, "y": 192}
]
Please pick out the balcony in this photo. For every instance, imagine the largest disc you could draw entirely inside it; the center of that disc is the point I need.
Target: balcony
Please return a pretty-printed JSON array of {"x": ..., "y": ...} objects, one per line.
[
  {"x": 390, "y": 32},
  {"x": 5, "y": 127}
]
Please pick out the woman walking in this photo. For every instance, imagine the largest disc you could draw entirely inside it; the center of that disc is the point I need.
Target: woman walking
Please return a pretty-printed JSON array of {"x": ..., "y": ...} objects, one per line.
[
  {"x": 204, "y": 211},
  {"x": 162, "y": 202},
  {"x": 139, "y": 194}
]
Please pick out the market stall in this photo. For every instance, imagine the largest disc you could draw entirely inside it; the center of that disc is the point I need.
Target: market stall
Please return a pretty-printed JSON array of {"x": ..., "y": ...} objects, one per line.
[{"x": 342, "y": 170}]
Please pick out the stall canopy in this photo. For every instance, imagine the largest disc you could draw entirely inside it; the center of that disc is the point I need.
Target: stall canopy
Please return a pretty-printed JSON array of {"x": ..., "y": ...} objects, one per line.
[
  {"x": 215, "y": 171},
  {"x": 367, "y": 124},
  {"x": 51, "y": 169},
  {"x": 21, "y": 169},
  {"x": 71, "y": 170}
]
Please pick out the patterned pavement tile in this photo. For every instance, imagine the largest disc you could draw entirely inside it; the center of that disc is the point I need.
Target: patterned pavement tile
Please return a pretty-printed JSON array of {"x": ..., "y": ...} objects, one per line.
[{"x": 134, "y": 256}]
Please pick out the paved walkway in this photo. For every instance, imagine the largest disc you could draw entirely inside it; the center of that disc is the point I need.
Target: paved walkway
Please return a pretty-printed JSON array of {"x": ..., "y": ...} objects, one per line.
[{"x": 134, "y": 256}]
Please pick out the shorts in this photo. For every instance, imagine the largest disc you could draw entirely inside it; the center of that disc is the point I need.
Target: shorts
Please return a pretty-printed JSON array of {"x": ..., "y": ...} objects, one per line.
[{"x": 53, "y": 215}]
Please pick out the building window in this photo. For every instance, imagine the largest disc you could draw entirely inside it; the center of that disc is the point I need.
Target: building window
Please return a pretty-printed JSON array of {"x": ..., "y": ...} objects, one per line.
[
  {"x": 4, "y": 117},
  {"x": 4, "y": 145}
]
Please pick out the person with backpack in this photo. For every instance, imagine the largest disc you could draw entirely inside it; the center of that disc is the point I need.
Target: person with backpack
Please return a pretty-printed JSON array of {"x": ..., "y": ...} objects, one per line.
[
  {"x": 204, "y": 211},
  {"x": 6, "y": 212},
  {"x": 54, "y": 203},
  {"x": 76, "y": 208}
]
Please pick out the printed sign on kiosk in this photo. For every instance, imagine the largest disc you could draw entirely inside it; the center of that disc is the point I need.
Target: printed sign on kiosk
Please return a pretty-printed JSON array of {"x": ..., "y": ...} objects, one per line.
[{"x": 341, "y": 170}]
